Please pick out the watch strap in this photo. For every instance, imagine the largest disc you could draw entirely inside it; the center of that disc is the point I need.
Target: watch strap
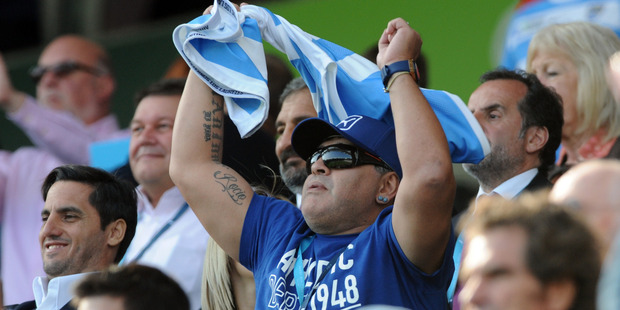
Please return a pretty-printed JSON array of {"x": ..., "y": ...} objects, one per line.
[{"x": 399, "y": 66}]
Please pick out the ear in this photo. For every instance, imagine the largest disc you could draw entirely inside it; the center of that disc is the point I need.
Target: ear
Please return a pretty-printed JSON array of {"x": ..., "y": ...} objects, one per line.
[
  {"x": 388, "y": 186},
  {"x": 116, "y": 232},
  {"x": 535, "y": 138},
  {"x": 560, "y": 294}
]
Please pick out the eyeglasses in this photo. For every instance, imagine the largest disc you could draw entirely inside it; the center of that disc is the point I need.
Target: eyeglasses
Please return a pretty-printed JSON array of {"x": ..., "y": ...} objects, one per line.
[
  {"x": 343, "y": 156},
  {"x": 63, "y": 69}
]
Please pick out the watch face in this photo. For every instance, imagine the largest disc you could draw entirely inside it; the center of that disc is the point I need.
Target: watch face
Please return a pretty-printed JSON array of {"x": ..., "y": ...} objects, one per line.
[{"x": 385, "y": 76}]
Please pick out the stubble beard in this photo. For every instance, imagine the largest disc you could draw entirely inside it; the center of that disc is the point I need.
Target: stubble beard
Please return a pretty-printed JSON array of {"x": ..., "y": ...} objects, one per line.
[
  {"x": 293, "y": 177},
  {"x": 496, "y": 168},
  {"x": 57, "y": 268}
]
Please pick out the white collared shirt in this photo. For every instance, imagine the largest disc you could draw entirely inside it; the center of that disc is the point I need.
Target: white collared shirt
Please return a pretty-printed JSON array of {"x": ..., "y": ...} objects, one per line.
[
  {"x": 513, "y": 186},
  {"x": 54, "y": 294},
  {"x": 180, "y": 251}
]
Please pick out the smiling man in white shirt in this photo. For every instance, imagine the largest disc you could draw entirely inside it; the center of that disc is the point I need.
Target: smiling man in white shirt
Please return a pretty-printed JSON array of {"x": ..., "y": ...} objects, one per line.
[{"x": 89, "y": 219}]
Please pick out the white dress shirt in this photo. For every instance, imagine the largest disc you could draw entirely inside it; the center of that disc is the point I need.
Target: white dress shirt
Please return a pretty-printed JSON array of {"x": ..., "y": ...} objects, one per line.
[
  {"x": 54, "y": 294},
  {"x": 179, "y": 251},
  {"x": 513, "y": 186}
]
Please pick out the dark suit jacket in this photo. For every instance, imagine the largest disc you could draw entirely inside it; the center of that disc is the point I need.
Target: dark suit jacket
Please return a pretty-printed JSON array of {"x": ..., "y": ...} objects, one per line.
[
  {"x": 537, "y": 183},
  {"x": 31, "y": 305}
]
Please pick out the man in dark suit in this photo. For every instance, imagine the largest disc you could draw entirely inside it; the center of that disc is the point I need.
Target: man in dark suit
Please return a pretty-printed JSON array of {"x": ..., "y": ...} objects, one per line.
[
  {"x": 523, "y": 121},
  {"x": 89, "y": 219}
]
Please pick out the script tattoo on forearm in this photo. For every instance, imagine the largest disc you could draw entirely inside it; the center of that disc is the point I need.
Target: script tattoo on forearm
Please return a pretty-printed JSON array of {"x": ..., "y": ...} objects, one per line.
[
  {"x": 213, "y": 126},
  {"x": 230, "y": 186}
]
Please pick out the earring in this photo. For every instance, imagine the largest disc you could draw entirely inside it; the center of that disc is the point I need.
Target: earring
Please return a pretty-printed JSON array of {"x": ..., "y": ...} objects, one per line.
[{"x": 382, "y": 199}]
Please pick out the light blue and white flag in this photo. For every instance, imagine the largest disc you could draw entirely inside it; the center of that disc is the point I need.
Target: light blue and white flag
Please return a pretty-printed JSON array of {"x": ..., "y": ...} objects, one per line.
[{"x": 225, "y": 49}]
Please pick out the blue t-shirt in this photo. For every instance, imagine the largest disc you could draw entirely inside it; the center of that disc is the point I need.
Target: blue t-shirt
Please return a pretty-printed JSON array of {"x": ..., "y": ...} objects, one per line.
[{"x": 371, "y": 270}]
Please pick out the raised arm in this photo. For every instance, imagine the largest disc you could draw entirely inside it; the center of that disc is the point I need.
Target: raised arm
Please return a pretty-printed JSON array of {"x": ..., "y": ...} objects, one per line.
[
  {"x": 218, "y": 195},
  {"x": 423, "y": 204},
  {"x": 55, "y": 131},
  {"x": 10, "y": 98}
]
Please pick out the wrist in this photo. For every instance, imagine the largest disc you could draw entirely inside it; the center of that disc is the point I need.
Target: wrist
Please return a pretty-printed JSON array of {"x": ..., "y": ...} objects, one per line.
[
  {"x": 391, "y": 71},
  {"x": 12, "y": 101}
]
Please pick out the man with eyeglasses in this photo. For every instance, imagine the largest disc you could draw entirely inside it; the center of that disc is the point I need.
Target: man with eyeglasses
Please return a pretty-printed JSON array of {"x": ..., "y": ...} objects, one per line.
[
  {"x": 75, "y": 85},
  {"x": 72, "y": 109},
  {"x": 371, "y": 229}
]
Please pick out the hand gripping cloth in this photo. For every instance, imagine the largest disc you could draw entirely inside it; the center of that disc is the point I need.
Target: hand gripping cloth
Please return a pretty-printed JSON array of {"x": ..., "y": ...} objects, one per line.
[{"x": 225, "y": 49}]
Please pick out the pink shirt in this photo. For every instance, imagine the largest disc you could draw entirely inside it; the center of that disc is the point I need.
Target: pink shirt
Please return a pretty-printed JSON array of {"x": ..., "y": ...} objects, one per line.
[
  {"x": 21, "y": 175},
  {"x": 62, "y": 134}
]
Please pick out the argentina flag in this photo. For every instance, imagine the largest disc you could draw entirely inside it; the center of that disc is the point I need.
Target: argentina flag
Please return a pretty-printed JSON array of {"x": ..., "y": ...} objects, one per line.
[{"x": 225, "y": 49}]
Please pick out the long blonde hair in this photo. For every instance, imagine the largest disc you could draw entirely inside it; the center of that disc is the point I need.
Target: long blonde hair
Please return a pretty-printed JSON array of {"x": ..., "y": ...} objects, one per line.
[
  {"x": 216, "y": 287},
  {"x": 217, "y": 290}
]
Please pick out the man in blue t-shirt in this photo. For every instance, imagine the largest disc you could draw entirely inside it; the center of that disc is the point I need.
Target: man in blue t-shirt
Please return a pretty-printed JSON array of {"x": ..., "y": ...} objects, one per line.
[{"x": 371, "y": 229}]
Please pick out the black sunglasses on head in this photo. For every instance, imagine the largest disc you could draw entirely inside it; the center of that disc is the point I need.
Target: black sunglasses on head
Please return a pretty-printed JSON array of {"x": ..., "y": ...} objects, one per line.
[
  {"x": 344, "y": 156},
  {"x": 63, "y": 69}
]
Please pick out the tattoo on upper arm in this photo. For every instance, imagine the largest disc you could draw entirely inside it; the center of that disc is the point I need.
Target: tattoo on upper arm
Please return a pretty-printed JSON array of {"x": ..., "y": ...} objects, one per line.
[
  {"x": 230, "y": 186},
  {"x": 214, "y": 125},
  {"x": 206, "y": 115}
]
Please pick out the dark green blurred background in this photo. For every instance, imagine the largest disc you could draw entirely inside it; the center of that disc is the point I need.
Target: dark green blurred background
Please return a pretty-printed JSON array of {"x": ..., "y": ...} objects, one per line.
[{"x": 459, "y": 37}]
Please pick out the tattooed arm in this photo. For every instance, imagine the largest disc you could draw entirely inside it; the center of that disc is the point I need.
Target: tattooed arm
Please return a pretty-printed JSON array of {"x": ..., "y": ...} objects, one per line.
[{"x": 218, "y": 195}]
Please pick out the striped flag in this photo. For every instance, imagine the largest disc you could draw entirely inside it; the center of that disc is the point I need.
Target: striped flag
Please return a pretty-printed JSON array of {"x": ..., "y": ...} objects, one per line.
[{"x": 225, "y": 49}]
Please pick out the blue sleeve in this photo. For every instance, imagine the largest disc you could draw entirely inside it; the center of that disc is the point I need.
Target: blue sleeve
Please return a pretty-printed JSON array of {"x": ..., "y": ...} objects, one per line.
[{"x": 268, "y": 223}]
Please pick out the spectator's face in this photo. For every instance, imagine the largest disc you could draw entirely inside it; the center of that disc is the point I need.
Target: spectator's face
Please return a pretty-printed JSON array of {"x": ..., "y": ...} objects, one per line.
[
  {"x": 151, "y": 139},
  {"x": 557, "y": 71},
  {"x": 295, "y": 108},
  {"x": 495, "y": 106},
  {"x": 494, "y": 274},
  {"x": 337, "y": 201},
  {"x": 102, "y": 302},
  {"x": 71, "y": 237},
  {"x": 79, "y": 92}
]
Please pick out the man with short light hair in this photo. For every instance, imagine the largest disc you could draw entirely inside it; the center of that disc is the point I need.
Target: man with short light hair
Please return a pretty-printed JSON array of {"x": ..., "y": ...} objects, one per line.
[
  {"x": 295, "y": 106},
  {"x": 168, "y": 236}
]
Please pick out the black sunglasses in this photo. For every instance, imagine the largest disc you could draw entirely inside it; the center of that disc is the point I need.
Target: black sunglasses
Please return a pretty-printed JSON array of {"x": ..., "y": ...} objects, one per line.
[
  {"x": 63, "y": 69},
  {"x": 343, "y": 156}
]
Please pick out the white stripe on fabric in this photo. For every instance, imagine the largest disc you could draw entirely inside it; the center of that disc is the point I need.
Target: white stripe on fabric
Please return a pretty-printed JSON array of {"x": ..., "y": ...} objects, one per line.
[{"x": 341, "y": 82}]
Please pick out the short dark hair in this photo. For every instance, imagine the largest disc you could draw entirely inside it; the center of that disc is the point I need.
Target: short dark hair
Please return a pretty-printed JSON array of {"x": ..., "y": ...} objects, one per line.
[
  {"x": 140, "y": 287},
  {"x": 541, "y": 107},
  {"x": 164, "y": 87},
  {"x": 112, "y": 197},
  {"x": 559, "y": 246}
]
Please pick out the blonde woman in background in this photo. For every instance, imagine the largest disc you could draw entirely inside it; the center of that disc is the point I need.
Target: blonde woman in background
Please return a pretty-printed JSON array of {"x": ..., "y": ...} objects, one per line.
[
  {"x": 573, "y": 58},
  {"x": 226, "y": 284}
]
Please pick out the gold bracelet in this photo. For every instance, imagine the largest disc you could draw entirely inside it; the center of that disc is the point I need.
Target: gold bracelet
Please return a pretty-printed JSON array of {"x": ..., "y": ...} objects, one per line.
[{"x": 392, "y": 78}]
